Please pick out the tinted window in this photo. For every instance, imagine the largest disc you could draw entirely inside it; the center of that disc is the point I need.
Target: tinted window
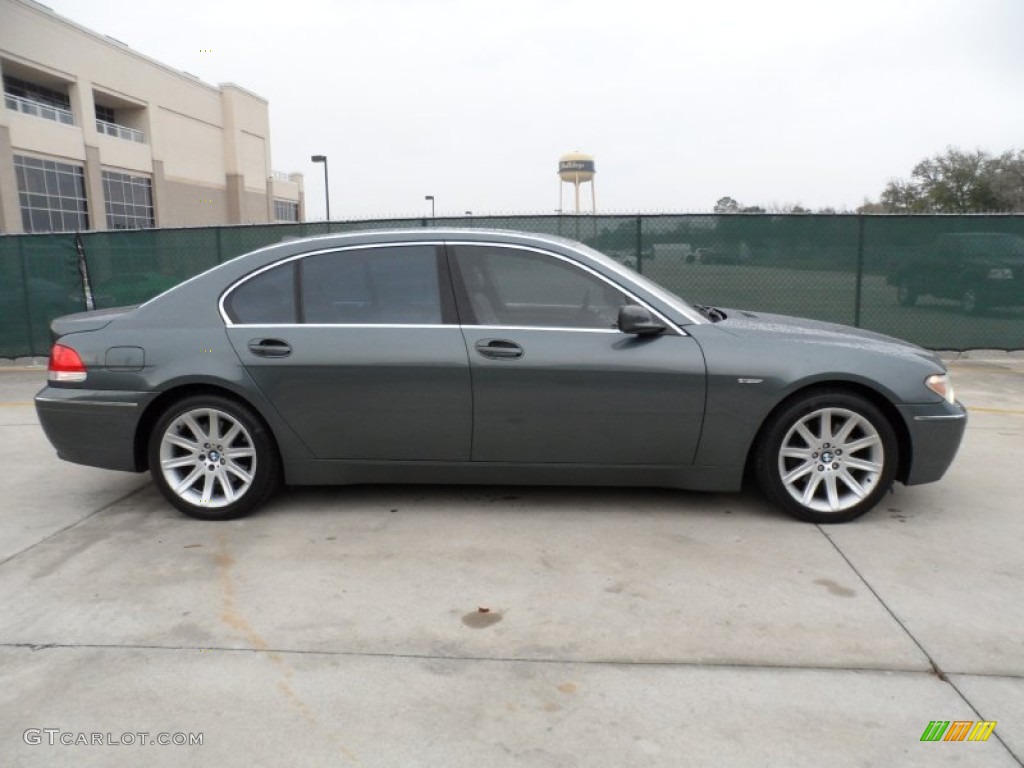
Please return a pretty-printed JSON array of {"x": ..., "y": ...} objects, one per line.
[
  {"x": 267, "y": 298},
  {"x": 398, "y": 284},
  {"x": 508, "y": 286}
]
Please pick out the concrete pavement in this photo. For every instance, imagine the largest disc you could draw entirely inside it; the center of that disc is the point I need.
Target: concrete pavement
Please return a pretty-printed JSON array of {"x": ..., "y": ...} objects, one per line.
[{"x": 624, "y": 627}]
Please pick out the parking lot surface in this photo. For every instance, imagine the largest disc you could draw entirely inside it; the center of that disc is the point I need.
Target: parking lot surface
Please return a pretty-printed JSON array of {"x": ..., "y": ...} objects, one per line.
[{"x": 500, "y": 626}]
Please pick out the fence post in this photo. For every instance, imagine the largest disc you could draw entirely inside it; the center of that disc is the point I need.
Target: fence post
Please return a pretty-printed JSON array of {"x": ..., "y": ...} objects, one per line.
[
  {"x": 860, "y": 270},
  {"x": 639, "y": 244},
  {"x": 28, "y": 301}
]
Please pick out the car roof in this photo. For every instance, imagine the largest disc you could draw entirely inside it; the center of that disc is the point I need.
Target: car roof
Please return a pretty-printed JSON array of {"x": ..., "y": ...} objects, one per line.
[{"x": 413, "y": 234}]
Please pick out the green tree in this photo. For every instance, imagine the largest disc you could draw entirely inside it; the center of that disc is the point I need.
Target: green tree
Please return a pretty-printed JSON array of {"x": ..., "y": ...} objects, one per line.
[
  {"x": 900, "y": 196},
  {"x": 1008, "y": 180},
  {"x": 956, "y": 181},
  {"x": 727, "y": 205}
]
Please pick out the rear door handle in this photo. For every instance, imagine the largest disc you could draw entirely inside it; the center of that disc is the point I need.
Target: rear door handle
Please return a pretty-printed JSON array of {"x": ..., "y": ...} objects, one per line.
[
  {"x": 270, "y": 348},
  {"x": 499, "y": 349}
]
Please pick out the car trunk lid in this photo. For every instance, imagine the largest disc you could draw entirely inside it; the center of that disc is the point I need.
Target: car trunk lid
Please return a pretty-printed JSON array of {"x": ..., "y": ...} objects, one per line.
[{"x": 86, "y": 321}]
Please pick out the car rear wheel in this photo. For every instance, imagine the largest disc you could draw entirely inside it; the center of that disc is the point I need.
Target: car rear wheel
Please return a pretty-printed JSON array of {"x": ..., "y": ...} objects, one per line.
[
  {"x": 827, "y": 457},
  {"x": 213, "y": 458},
  {"x": 906, "y": 292}
]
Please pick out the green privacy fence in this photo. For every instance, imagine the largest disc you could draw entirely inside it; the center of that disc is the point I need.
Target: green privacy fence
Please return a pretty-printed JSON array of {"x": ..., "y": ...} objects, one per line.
[{"x": 945, "y": 282}]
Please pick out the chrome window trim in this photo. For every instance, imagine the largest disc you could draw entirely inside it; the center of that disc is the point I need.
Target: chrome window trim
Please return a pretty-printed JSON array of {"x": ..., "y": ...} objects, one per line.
[
  {"x": 404, "y": 326},
  {"x": 432, "y": 327},
  {"x": 541, "y": 328},
  {"x": 432, "y": 242},
  {"x": 580, "y": 265}
]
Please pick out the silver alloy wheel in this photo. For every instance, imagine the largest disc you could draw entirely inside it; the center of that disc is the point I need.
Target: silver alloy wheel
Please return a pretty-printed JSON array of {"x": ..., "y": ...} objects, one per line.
[
  {"x": 831, "y": 459},
  {"x": 207, "y": 457}
]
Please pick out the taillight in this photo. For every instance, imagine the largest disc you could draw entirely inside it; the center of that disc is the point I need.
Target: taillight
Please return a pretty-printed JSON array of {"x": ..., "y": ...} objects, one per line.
[{"x": 65, "y": 364}]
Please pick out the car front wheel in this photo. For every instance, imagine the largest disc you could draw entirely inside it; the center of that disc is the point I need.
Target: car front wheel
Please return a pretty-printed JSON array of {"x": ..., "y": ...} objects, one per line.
[
  {"x": 213, "y": 458},
  {"x": 827, "y": 457}
]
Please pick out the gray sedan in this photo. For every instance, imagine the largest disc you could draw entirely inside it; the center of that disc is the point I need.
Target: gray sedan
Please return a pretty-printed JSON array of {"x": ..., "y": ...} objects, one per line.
[{"x": 473, "y": 356}]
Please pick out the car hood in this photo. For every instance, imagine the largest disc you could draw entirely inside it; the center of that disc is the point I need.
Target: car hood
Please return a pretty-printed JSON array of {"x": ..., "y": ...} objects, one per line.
[
  {"x": 87, "y": 321},
  {"x": 800, "y": 330}
]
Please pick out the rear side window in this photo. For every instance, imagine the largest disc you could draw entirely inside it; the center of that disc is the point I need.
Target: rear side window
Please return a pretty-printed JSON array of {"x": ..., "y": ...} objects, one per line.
[
  {"x": 397, "y": 284},
  {"x": 267, "y": 299}
]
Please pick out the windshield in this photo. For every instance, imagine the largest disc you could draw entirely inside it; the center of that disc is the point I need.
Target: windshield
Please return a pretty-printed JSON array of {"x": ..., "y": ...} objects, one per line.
[
  {"x": 992, "y": 244},
  {"x": 665, "y": 295}
]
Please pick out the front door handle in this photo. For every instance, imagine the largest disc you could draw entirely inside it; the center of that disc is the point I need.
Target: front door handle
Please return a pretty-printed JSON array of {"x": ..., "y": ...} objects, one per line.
[
  {"x": 270, "y": 348},
  {"x": 499, "y": 349}
]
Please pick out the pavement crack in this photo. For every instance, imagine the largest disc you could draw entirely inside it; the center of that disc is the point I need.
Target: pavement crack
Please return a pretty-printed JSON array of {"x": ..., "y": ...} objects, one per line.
[
  {"x": 275, "y": 653},
  {"x": 978, "y": 716},
  {"x": 75, "y": 524},
  {"x": 936, "y": 670},
  {"x": 881, "y": 601}
]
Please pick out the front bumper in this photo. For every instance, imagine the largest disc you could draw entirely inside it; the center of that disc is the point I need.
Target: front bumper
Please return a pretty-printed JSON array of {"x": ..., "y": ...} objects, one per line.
[
  {"x": 1003, "y": 293},
  {"x": 92, "y": 427},
  {"x": 936, "y": 430}
]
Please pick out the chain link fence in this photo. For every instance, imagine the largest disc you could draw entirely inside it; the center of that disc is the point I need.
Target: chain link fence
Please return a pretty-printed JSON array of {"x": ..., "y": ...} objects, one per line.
[{"x": 945, "y": 282}]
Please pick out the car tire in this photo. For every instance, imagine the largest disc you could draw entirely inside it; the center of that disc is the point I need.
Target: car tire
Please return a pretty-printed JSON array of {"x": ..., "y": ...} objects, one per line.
[
  {"x": 971, "y": 300},
  {"x": 213, "y": 458},
  {"x": 906, "y": 292},
  {"x": 827, "y": 456}
]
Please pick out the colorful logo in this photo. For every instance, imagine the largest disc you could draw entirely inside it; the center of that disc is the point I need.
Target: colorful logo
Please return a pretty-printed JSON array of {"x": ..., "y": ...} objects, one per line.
[{"x": 958, "y": 730}]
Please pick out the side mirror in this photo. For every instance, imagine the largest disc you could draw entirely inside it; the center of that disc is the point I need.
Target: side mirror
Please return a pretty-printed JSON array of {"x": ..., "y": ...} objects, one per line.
[{"x": 638, "y": 321}]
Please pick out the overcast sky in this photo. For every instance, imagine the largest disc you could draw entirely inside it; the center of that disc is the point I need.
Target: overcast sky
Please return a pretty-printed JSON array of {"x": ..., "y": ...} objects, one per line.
[{"x": 473, "y": 101}]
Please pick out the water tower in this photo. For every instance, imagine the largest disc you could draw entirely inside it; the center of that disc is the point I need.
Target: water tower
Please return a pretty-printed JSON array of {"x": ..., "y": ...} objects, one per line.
[{"x": 577, "y": 168}]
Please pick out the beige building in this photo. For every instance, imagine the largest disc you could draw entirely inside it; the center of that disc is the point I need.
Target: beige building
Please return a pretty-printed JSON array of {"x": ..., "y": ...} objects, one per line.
[{"x": 94, "y": 135}]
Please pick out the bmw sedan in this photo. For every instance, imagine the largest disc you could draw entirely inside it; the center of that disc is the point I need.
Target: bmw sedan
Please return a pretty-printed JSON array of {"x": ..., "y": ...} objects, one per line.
[{"x": 475, "y": 356}]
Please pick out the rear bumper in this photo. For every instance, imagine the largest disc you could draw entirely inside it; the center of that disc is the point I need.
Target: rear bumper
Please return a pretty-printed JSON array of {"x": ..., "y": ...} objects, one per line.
[
  {"x": 935, "y": 434},
  {"x": 92, "y": 427}
]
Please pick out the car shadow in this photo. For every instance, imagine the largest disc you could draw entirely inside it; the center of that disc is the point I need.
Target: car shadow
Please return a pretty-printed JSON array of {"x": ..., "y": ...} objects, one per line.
[{"x": 505, "y": 500}]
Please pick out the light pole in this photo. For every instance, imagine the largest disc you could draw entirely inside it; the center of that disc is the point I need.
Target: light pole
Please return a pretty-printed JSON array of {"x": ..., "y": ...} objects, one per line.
[
  {"x": 433, "y": 215},
  {"x": 327, "y": 189}
]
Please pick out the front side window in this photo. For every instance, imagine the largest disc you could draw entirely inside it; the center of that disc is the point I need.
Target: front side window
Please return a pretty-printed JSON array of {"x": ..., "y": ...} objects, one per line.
[
  {"x": 266, "y": 299},
  {"x": 51, "y": 195},
  {"x": 513, "y": 287},
  {"x": 391, "y": 285}
]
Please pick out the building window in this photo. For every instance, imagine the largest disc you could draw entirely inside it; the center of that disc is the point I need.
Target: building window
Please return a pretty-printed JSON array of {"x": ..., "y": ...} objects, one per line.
[
  {"x": 106, "y": 123},
  {"x": 51, "y": 194},
  {"x": 129, "y": 201},
  {"x": 285, "y": 210},
  {"x": 31, "y": 99},
  {"x": 26, "y": 90}
]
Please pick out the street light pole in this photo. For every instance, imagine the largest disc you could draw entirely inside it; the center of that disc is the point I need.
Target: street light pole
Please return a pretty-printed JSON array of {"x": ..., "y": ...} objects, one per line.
[
  {"x": 327, "y": 188},
  {"x": 433, "y": 214}
]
